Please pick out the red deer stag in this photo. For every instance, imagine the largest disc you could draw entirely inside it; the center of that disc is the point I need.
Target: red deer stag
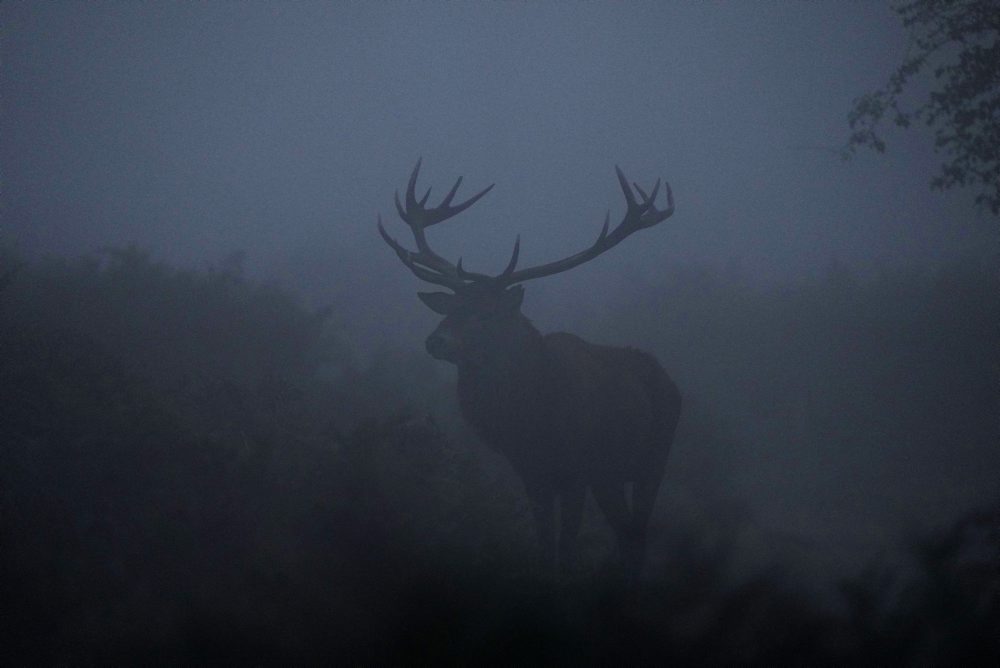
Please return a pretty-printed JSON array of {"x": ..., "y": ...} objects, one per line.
[{"x": 569, "y": 415}]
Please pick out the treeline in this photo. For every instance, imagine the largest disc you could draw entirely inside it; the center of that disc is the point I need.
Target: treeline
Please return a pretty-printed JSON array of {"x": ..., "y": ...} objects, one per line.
[
  {"x": 908, "y": 350},
  {"x": 193, "y": 468}
]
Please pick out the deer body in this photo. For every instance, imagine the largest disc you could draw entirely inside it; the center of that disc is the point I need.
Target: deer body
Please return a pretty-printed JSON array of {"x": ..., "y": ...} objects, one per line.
[
  {"x": 567, "y": 414},
  {"x": 571, "y": 416},
  {"x": 568, "y": 411}
]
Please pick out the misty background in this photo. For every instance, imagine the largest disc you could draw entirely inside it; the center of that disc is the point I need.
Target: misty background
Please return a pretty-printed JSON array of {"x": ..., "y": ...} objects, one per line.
[{"x": 833, "y": 324}]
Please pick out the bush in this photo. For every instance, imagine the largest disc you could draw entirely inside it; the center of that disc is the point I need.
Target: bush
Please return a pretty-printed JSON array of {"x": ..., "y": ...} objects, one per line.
[{"x": 193, "y": 471}]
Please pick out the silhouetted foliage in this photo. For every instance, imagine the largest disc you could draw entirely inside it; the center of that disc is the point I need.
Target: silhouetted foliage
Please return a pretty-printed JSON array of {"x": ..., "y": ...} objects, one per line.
[
  {"x": 905, "y": 355},
  {"x": 192, "y": 471},
  {"x": 959, "y": 41},
  {"x": 949, "y": 613}
]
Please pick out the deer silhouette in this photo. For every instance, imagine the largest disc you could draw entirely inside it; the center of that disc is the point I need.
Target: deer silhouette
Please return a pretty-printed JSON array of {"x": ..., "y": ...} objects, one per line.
[{"x": 567, "y": 414}]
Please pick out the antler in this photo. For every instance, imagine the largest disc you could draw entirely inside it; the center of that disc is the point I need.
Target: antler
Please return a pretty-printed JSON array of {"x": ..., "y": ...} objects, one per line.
[
  {"x": 429, "y": 266},
  {"x": 638, "y": 215},
  {"x": 425, "y": 263}
]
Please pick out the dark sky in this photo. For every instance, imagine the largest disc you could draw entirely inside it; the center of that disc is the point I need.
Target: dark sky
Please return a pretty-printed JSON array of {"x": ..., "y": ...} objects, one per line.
[{"x": 280, "y": 129}]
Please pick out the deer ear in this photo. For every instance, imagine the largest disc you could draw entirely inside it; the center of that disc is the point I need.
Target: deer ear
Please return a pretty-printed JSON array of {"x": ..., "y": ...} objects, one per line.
[
  {"x": 441, "y": 303},
  {"x": 515, "y": 296}
]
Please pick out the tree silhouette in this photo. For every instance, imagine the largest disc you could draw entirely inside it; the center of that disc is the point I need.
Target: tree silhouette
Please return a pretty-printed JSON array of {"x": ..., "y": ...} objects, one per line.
[{"x": 957, "y": 41}]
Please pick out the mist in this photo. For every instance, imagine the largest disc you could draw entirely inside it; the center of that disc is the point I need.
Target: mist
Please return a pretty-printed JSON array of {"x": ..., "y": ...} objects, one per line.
[{"x": 223, "y": 438}]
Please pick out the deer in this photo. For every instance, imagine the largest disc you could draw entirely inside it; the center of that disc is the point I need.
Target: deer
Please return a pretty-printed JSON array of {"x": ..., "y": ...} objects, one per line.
[{"x": 568, "y": 415}]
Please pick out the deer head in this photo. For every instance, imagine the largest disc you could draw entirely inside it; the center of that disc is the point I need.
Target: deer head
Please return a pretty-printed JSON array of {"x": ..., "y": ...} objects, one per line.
[{"x": 482, "y": 312}]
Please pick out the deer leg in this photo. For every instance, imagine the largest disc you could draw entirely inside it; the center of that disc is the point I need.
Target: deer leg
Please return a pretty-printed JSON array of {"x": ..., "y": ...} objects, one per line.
[
  {"x": 643, "y": 498},
  {"x": 571, "y": 512},
  {"x": 610, "y": 498},
  {"x": 542, "y": 502}
]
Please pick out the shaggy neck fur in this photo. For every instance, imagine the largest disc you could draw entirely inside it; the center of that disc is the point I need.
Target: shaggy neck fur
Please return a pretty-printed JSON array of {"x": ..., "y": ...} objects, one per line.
[{"x": 499, "y": 391}]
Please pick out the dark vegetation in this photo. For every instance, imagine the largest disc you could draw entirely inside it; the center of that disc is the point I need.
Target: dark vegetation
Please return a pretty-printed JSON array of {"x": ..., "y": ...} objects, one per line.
[
  {"x": 193, "y": 469},
  {"x": 954, "y": 48}
]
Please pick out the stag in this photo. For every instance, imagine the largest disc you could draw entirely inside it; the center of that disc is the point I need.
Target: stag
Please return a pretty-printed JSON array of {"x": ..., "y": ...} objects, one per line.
[{"x": 567, "y": 414}]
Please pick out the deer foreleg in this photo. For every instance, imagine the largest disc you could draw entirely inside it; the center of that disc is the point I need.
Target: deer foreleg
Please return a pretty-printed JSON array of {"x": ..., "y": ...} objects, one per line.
[
  {"x": 570, "y": 514},
  {"x": 610, "y": 497},
  {"x": 542, "y": 501},
  {"x": 643, "y": 498}
]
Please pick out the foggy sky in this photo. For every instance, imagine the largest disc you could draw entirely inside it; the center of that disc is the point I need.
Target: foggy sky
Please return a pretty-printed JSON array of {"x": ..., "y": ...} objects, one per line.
[{"x": 281, "y": 129}]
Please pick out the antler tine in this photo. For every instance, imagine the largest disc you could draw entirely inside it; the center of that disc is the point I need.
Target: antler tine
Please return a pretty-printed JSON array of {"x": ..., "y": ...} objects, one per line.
[
  {"x": 425, "y": 263},
  {"x": 511, "y": 265},
  {"x": 417, "y": 215},
  {"x": 451, "y": 193},
  {"x": 638, "y": 215},
  {"x": 652, "y": 216},
  {"x": 395, "y": 245},
  {"x": 513, "y": 259},
  {"x": 604, "y": 229},
  {"x": 474, "y": 276},
  {"x": 648, "y": 200},
  {"x": 411, "y": 200},
  {"x": 399, "y": 208},
  {"x": 669, "y": 211},
  {"x": 411, "y": 260},
  {"x": 450, "y": 211},
  {"x": 629, "y": 195}
]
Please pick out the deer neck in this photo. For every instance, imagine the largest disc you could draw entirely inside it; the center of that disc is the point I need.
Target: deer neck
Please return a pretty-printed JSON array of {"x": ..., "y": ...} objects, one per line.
[{"x": 501, "y": 388}]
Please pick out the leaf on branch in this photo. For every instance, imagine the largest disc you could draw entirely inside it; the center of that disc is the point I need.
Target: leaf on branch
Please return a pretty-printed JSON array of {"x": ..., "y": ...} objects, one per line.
[{"x": 957, "y": 47}]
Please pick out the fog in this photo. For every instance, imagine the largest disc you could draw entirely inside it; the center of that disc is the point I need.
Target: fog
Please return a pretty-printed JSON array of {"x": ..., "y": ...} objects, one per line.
[{"x": 189, "y": 197}]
